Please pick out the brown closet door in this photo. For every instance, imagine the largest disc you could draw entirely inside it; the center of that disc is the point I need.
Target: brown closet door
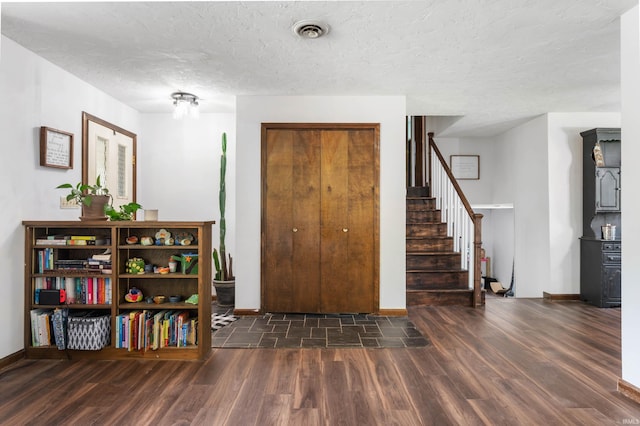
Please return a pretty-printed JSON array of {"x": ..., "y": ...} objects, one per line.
[
  {"x": 348, "y": 249},
  {"x": 291, "y": 221},
  {"x": 319, "y": 228}
]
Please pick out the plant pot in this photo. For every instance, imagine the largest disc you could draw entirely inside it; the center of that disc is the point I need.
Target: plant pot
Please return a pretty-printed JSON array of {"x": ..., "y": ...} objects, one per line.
[
  {"x": 225, "y": 292},
  {"x": 96, "y": 210}
]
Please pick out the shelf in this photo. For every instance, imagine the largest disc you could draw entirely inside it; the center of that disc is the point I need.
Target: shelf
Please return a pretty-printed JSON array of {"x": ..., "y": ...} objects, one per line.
[
  {"x": 157, "y": 306},
  {"x": 169, "y": 284},
  {"x": 81, "y": 306},
  {"x": 72, "y": 275},
  {"x": 72, "y": 247},
  {"x": 192, "y": 247},
  {"x": 159, "y": 276}
]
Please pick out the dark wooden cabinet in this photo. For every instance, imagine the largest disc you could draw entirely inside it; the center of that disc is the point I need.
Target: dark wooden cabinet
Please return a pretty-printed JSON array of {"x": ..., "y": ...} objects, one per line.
[
  {"x": 601, "y": 191},
  {"x": 600, "y": 260},
  {"x": 600, "y": 272}
]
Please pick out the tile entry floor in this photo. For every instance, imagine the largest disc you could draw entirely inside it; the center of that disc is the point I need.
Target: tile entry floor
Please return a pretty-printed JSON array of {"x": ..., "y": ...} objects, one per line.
[{"x": 319, "y": 331}]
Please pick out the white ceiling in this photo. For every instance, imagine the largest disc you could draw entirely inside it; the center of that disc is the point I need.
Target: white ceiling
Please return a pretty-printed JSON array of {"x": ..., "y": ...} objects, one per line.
[{"x": 494, "y": 63}]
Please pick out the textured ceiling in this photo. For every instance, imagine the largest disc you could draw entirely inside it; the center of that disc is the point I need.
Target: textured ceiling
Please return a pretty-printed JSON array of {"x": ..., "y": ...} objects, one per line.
[{"x": 494, "y": 63}]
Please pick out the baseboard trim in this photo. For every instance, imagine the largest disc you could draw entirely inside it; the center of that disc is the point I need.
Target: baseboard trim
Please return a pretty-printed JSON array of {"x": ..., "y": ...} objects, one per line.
[
  {"x": 629, "y": 390},
  {"x": 385, "y": 312},
  {"x": 559, "y": 297},
  {"x": 10, "y": 359},
  {"x": 246, "y": 312},
  {"x": 393, "y": 312}
]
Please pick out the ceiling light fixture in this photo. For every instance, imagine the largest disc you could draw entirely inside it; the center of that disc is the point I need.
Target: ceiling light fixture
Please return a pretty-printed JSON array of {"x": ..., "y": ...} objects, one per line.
[
  {"x": 186, "y": 104},
  {"x": 310, "y": 29}
]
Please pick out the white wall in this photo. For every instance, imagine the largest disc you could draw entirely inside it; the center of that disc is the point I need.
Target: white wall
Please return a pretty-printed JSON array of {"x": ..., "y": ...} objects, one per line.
[
  {"x": 179, "y": 170},
  {"x": 390, "y": 112},
  {"x": 565, "y": 195},
  {"x": 179, "y": 166},
  {"x": 521, "y": 179},
  {"x": 477, "y": 191},
  {"x": 630, "y": 52},
  {"x": 36, "y": 93},
  {"x": 497, "y": 224},
  {"x": 537, "y": 167}
]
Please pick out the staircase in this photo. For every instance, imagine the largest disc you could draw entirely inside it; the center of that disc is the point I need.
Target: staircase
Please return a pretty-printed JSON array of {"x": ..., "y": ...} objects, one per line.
[{"x": 434, "y": 275}]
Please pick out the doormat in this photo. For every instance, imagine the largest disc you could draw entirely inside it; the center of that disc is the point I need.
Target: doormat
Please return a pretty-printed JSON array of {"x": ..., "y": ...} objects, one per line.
[
  {"x": 218, "y": 321},
  {"x": 320, "y": 331}
]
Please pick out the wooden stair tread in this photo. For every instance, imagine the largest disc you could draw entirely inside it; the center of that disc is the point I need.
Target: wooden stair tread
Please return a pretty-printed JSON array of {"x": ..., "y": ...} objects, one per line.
[{"x": 433, "y": 272}]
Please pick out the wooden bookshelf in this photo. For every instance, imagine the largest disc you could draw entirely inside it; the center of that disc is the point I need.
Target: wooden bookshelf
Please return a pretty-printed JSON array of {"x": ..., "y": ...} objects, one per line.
[{"x": 44, "y": 263}]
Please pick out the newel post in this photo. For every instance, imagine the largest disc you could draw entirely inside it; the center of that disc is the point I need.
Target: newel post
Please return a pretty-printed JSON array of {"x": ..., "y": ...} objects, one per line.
[{"x": 477, "y": 268}]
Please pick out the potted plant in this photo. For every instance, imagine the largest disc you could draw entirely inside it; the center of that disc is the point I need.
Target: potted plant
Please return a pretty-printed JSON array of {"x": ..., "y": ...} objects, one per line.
[
  {"x": 96, "y": 202},
  {"x": 92, "y": 198},
  {"x": 224, "y": 280},
  {"x": 124, "y": 212}
]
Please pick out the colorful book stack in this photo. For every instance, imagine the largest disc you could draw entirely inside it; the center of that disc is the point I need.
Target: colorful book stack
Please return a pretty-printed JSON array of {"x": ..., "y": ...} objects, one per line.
[
  {"x": 100, "y": 262},
  {"x": 147, "y": 330},
  {"x": 79, "y": 290},
  {"x": 45, "y": 259},
  {"x": 71, "y": 240},
  {"x": 41, "y": 332}
]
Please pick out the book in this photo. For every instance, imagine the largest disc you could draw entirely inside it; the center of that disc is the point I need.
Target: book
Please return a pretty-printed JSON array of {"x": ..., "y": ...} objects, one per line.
[
  {"x": 192, "y": 337},
  {"x": 57, "y": 237},
  {"x": 44, "y": 337},
  {"x": 158, "y": 317},
  {"x": 102, "y": 257},
  {"x": 83, "y": 237},
  {"x": 46, "y": 242},
  {"x": 33, "y": 315}
]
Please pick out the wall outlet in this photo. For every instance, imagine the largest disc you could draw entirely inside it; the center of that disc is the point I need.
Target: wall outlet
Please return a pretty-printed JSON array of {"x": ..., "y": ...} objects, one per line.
[{"x": 64, "y": 204}]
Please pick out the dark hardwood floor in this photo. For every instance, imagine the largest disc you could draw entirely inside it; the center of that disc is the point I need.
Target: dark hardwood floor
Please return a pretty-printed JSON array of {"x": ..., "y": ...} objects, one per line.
[{"x": 515, "y": 361}]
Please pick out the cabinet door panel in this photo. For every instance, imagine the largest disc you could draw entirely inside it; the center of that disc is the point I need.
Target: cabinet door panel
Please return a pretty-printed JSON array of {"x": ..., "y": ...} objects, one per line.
[
  {"x": 607, "y": 189},
  {"x": 612, "y": 284}
]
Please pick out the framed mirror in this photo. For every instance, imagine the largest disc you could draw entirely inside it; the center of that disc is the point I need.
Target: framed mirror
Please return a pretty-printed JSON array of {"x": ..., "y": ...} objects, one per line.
[{"x": 109, "y": 151}]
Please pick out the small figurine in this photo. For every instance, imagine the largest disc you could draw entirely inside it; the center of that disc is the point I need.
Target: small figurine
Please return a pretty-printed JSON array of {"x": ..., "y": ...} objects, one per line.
[
  {"x": 146, "y": 241},
  {"x": 134, "y": 295}
]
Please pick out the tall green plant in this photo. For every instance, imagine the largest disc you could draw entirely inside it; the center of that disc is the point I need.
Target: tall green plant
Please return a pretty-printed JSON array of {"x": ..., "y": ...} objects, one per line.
[{"x": 224, "y": 269}]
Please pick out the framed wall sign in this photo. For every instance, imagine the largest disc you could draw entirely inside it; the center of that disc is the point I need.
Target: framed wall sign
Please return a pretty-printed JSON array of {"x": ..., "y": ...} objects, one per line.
[
  {"x": 56, "y": 148},
  {"x": 465, "y": 166}
]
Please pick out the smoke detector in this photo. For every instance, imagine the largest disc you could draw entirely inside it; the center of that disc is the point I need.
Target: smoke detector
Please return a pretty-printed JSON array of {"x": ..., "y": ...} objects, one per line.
[{"x": 310, "y": 29}]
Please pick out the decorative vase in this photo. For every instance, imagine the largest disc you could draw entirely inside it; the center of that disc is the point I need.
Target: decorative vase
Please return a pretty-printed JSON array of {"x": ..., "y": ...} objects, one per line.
[
  {"x": 225, "y": 292},
  {"x": 96, "y": 210}
]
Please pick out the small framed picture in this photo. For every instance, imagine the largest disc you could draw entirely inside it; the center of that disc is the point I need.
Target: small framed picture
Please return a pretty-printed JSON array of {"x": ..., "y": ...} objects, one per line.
[
  {"x": 56, "y": 148},
  {"x": 465, "y": 166}
]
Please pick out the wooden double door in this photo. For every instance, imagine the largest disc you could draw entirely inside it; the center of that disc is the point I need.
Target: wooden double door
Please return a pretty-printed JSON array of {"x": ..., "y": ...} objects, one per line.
[{"x": 320, "y": 226}]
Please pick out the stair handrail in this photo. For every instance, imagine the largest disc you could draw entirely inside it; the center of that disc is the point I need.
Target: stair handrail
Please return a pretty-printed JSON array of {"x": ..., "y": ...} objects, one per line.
[{"x": 463, "y": 224}]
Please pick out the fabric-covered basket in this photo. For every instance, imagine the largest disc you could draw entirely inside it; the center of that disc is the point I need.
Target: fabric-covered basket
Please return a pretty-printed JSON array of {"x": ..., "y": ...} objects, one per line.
[{"x": 88, "y": 332}]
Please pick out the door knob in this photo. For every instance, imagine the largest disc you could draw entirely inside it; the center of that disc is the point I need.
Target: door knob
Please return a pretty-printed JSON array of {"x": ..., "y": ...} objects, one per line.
[
  {"x": 345, "y": 229},
  {"x": 295, "y": 230}
]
